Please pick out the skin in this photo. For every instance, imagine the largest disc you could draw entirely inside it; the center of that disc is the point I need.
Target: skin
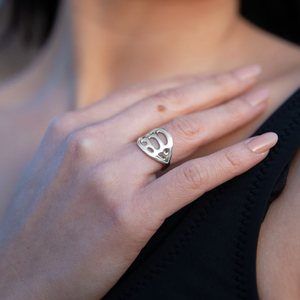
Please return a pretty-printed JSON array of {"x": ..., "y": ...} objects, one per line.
[
  {"x": 211, "y": 37},
  {"x": 96, "y": 221}
]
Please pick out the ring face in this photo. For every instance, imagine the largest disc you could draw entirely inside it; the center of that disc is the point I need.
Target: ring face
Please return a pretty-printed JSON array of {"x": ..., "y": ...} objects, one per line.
[{"x": 164, "y": 153}]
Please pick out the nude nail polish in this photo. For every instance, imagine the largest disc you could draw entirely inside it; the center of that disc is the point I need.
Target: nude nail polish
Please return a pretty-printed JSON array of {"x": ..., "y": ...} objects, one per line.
[
  {"x": 261, "y": 144},
  {"x": 257, "y": 97},
  {"x": 248, "y": 72}
]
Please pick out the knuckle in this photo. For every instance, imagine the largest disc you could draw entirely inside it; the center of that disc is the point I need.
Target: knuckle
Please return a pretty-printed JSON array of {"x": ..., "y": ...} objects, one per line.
[
  {"x": 126, "y": 218},
  {"x": 224, "y": 81},
  {"x": 142, "y": 90},
  {"x": 116, "y": 211},
  {"x": 194, "y": 175},
  {"x": 233, "y": 162},
  {"x": 237, "y": 110},
  {"x": 242, "y": 108},
  {"x": 136, "y": 89},
  {"x": 61, "y": 124},
  {"x": 170, "y": 97},
  {"x": 145, "y": 217},
  {"x": 79, "y": 143},
  {"x": 185, "y": 128}
]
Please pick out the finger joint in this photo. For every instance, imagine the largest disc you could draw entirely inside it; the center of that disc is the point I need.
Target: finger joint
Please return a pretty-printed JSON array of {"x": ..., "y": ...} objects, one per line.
[
  {"x": 194, "y": 175},
  {"x": 185, "y": 128}
]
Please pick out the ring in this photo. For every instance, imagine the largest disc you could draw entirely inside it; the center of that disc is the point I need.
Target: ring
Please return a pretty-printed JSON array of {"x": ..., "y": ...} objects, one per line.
[{"x": 164, "y": 152}]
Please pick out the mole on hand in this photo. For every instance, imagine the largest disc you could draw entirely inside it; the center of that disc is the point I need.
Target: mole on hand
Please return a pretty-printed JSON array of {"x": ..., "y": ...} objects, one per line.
[{"x": 161, "y": 108}]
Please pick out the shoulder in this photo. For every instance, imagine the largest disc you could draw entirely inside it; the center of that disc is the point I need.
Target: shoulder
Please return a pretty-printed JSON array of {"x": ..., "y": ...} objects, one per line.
[
  {"x": 280, "y": 61},
  {"x": 289, "y": 201},
  {"x": 278, "y": 259},
  {"x": 278, "y": 57},
  {"x": 278, "y": 252},
  {"x": 273, "y": 46}
]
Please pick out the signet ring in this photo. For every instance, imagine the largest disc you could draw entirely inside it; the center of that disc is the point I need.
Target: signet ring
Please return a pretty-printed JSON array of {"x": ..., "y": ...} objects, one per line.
[{"x": 164, "y": 151}]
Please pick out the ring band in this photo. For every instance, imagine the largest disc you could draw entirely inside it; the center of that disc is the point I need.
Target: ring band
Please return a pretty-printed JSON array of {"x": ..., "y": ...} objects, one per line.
[{"x": 164, "y": 153}]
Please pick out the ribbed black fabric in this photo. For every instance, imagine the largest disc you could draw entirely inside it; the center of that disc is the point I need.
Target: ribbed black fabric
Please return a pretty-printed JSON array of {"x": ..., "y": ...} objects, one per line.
[{"x": 207, "y": 250}]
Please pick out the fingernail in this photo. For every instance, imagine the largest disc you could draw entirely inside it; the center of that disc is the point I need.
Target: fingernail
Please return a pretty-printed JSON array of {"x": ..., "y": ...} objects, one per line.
[
  {"x": 248, "y": 72},
  {"x": 263, "y": 143},
  {"x": 257, "y": 97}
]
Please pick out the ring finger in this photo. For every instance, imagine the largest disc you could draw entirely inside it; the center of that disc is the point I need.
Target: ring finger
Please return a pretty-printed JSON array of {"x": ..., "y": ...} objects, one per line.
[{"x": 191, "y": 131}]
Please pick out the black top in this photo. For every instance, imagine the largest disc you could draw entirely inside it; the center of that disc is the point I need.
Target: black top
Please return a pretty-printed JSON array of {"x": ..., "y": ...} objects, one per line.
[{"x": 207, "y": 250}]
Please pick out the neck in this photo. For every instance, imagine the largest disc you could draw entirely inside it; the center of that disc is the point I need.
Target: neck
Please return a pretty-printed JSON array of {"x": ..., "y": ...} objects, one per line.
[{"x": 120, "y": 42}]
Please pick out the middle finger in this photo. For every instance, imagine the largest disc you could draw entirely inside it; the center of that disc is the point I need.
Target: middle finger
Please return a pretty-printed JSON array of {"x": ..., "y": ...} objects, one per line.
[{"x": 169, "y": 104}]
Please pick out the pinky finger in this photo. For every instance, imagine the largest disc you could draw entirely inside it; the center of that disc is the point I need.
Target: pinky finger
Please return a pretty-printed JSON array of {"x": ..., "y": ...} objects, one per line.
[{"x": 183, "y": 184}]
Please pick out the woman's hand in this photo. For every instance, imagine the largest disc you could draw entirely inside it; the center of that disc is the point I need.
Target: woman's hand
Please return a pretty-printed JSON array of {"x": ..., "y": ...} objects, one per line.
[{"x": 89, "y": 200}]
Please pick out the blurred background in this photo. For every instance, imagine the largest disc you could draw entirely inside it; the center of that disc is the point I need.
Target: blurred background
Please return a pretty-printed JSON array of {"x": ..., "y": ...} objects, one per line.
[{"x": 27, "y": 24}]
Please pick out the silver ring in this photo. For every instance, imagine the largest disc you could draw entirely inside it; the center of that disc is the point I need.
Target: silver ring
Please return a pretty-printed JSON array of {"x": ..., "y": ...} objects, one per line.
[{"x": 165, "y": 150}]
